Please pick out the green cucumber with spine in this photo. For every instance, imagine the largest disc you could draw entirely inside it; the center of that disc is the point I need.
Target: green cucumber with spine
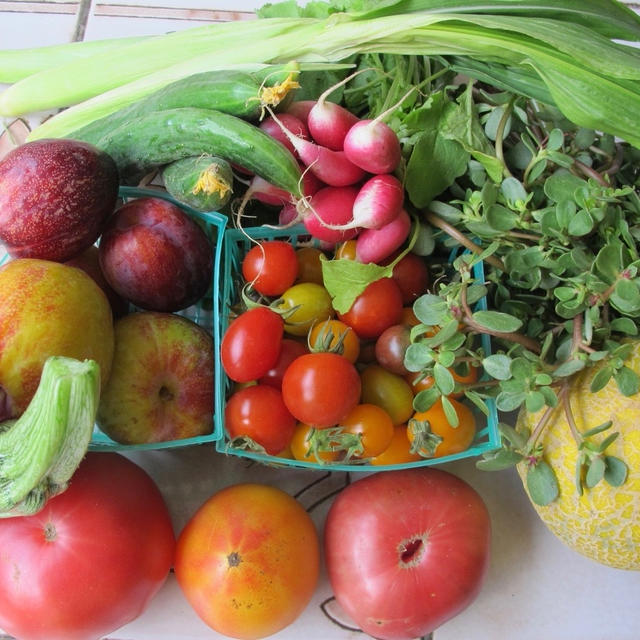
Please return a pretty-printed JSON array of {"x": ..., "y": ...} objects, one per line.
[
  {"x": 161, "y": 137},
  {"x": 233, "y": 92},
  {"x": 203, "y": 182}
]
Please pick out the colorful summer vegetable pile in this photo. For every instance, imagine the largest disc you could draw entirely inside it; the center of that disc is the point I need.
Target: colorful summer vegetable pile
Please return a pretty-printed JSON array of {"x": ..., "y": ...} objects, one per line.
[{"x": 401, "y": 144}]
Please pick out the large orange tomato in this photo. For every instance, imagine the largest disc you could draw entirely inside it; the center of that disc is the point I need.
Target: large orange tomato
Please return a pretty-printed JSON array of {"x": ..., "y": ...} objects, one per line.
[{"x": 248, "y": 560}]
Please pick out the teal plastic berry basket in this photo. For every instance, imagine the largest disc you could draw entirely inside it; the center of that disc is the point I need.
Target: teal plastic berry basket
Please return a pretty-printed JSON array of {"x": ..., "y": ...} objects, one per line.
[
  {"x": 236, "y": 243},
  {"x": 206, "y": 313}
]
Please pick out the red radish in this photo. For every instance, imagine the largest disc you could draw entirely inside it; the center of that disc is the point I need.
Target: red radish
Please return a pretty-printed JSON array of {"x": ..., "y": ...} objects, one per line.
[
  {"x": 300, "y": 109},
  {"x": 379, "y": 201},
  {"x": 332, "y": 167},
  {"x": 373, "y": 146},
  {"x": 374, "y": 245},
  {"x": 268, "y": 193},
  {"x": 294, "y": 125},
  {"x": 288, "y": 215},
  {"x": 331, "y": 206}
]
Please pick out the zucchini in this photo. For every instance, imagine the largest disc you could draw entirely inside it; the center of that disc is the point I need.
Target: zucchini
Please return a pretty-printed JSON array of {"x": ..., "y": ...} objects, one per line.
[
  {"x": 160, "y": 137},
  {"x": 40, "y": 451},
  {"x": 204, "y": 182},
  {"x": 233, "y": 92}
]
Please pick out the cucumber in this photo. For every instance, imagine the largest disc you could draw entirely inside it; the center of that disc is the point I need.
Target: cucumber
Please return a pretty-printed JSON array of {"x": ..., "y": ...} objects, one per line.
[
  {"x": 233, "y": 92},
  {"x": 161, "y": 137},
  {"x": 203, "y": 182}
]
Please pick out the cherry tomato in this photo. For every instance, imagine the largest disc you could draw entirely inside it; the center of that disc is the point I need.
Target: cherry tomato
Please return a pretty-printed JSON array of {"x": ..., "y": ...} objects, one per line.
[
  {"x": 387, "y": 390},
  {"x": 321, "y": 388},
  {"x": 378, "y": 307},
  {"x": 307, "y": 304},
  {"x": 271, "y": 267},
  {"x": 433, "y": 437},
  {"x": 399, "y": 449},
  {"x": 259, "y": 413},
  {"x": 345, "y": 250},
  {"x": 289, "y": 351},
  {"x": 372, "y": 428},
  {"x": 409, "y": 317},
  {"x": 420, "y": 383},
  {"x": 412, "y": 275},
  {"x": 328, "y": 334},
  {"x": 248, "y": 561},
  {"x": 391, "y": 346},
  {"x": 251, "y": 344},
  {"x": 309, "y": 265},
  {"x": 310, "y": 444}
]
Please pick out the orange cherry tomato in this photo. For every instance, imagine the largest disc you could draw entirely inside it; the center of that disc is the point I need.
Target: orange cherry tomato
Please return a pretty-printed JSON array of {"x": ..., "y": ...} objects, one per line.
[
  {"x": 310, "y": 444},
  {"x": 346, "y": 250},
  {"x": 309, "y": 265},
  {"x": 372, "y": 428},
  {"x": 230, "y": 563},
  {"x": 409, "y": 317},
  {"x": 433, "y": 437},
  {"x": 399, "y": 449},
  {"x": 329, "y": 333}
]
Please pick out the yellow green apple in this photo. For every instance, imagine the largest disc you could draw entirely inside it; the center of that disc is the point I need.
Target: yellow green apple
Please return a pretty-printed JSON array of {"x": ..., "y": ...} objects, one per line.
[
  {"x": 48, "y": 309},
  {"x": 162, "y": 380}
]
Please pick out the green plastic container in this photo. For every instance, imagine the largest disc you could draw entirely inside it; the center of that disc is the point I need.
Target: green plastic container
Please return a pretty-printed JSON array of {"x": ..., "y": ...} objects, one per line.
[
  {"x": 236, "y": 244},
  {"x": 206, "y": 313}
]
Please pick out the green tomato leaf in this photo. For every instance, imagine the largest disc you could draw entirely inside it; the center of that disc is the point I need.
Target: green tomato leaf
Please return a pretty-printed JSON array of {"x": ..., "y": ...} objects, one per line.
[
  {"x": 497, "y": 321},
  {"x": 616, "y": 471},
  {"x": 498, "y": 366},
  {"x": 542, "y": 484},
  {"x": 345, "y": 280}
]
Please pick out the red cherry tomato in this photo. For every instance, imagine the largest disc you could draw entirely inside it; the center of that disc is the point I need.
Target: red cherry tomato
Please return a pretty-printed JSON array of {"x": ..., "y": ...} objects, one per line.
[
  {"x": 321, "y": 388},
  {"x": 377, "y": 308},
  {"x": 289, "y": 351},
  {"x": 258, "y": 412},
  {"x": 412, "y": 275},
  {"x": 271, "y": 267},
  {"x": 251, "y": 344}
]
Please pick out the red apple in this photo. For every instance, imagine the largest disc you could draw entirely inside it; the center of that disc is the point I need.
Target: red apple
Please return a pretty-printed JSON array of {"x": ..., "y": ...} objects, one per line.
[
  {"x": 161, "y": 385},
  {"x": 88, "y": 261},
  {"x": 55, "y": 195},
  {"x": 155, "y": 256}
]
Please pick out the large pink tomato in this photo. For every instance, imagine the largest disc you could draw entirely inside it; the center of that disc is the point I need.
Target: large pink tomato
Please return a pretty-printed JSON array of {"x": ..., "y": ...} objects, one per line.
[
  {"x": 416, "y": 554},
  {"x": 91, "y": 560}
]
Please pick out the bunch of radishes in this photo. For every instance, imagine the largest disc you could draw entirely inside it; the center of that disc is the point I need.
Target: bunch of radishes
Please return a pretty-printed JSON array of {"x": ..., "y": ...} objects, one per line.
[{"x": 349, "y": 187}]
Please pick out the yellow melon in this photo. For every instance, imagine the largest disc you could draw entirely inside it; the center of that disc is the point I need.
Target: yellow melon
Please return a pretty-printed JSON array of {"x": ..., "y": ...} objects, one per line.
[{"x": 604, "y": 522}]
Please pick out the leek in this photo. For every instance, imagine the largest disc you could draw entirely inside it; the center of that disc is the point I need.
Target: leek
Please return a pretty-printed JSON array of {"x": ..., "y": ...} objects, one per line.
[
  {"x": 549, "y": 38},
  {"x": 16, "y": 64}
]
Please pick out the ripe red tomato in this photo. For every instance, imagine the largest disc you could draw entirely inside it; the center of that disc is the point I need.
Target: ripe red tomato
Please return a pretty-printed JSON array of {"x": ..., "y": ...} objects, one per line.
[
  {"x": 377, "y": 308},
  {"x": 416, "y": 554},
  {"x": 91, "y": 560},
  {"x": 321, "y": 388},
  {"x": 271, "y": 267},
  {"x": 248, "y": 560},
  {"x": 412, "y": 275},
  {"x": 289, "y": 351},
  {"x": 251, "y": 344},
  {"x": 258, "y": 412}
]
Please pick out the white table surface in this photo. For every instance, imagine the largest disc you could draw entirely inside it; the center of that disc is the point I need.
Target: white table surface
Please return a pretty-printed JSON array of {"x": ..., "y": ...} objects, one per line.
[{"x": 536, "y": 587}]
